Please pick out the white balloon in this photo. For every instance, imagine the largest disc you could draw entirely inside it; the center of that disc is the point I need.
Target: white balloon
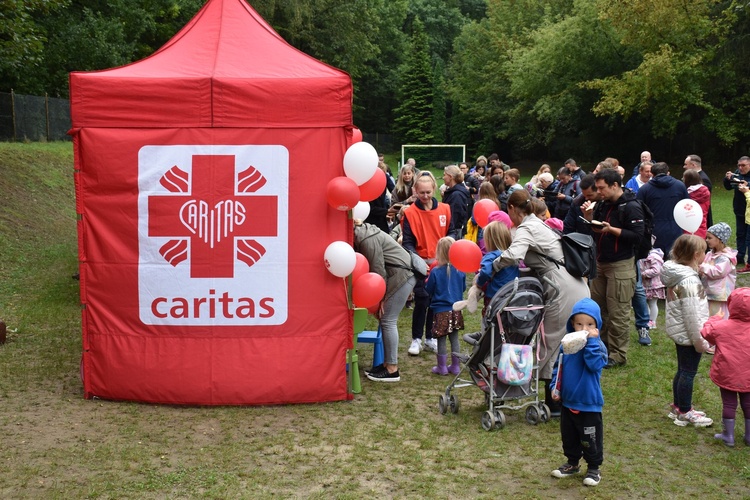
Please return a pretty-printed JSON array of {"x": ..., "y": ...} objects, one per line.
[
  {"x": 360, "y": 162},
  {"x": 340, "y": 259},
  {"x": 361, "y": 210},
  {"x": 688, "y": 215}
]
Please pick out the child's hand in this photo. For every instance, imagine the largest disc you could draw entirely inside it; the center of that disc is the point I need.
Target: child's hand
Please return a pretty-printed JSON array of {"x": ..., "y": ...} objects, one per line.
[
  {"x": 555, "y": 396},
  {"x": 594, "y": 333}
]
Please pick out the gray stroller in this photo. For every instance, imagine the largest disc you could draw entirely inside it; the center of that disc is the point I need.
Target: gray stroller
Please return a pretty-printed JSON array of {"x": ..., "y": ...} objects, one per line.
[{"x": 514, "y": 315}]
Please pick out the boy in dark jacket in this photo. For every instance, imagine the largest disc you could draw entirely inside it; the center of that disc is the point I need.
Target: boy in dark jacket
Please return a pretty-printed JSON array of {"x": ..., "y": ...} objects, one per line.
[{"x": 576, "y": 382}]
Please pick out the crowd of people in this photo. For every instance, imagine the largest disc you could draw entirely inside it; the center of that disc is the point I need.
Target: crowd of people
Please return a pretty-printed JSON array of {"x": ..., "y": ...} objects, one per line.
[{"x": 694, "y": 275}]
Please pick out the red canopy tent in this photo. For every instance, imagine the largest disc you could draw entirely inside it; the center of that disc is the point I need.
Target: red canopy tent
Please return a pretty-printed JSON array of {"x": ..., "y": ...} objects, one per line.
[{"x": 200, "y": 183}]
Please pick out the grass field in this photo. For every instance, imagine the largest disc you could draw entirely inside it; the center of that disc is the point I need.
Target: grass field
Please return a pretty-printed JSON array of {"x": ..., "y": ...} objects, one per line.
[{"x": 390, "y": 441}]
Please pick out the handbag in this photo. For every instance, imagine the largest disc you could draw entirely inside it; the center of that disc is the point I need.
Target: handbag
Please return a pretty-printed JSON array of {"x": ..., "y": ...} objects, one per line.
[{"x": 515, "y": 364}]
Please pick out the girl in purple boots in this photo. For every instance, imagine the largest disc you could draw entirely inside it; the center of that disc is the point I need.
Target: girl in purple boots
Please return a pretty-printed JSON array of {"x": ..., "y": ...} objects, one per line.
[
  {"x": 730, "y": 369},
  {"x": 446, "y": 285}
]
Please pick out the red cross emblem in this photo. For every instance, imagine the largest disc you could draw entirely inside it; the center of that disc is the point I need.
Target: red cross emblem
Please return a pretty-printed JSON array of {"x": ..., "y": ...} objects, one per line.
[{"x": 218, "y": 218}]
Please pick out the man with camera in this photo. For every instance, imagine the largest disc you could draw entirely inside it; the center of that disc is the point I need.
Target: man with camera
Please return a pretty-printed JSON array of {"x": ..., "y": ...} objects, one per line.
[{"x": 733, "y": 180}]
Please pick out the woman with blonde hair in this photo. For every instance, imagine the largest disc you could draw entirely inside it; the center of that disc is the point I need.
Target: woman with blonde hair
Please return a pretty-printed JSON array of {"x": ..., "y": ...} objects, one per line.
[
  {"x": 424, "y": 222},
  {"x": 402, "y": 193}
]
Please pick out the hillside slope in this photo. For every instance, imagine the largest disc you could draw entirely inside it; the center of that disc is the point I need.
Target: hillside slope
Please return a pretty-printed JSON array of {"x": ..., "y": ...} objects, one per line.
[{"x": 37, "y": 228}]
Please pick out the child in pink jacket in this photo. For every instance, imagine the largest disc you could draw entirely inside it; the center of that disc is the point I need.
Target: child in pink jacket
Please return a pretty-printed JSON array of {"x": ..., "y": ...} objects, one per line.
[
  {"x": 730, "y": 369},
  {"x": 651, "y": 275},
  {"x": 718, "y": 271}
]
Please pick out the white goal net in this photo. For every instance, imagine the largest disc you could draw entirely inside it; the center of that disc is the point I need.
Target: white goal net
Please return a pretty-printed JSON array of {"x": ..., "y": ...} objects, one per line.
[{"x": 436, "y": 156}]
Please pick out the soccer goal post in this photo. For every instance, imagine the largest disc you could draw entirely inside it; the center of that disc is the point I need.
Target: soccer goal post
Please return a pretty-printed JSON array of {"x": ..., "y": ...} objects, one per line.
[{"x": 436, "y": 156}]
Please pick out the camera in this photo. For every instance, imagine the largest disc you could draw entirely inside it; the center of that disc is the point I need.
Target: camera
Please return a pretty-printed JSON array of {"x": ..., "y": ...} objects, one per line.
[
  {"x": 550, "y": 194},
  {"x": 736, "y": 180}
]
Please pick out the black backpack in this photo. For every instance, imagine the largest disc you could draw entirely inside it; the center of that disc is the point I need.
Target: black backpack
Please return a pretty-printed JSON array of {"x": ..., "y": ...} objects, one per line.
[
  {"x": 579, "y": 255},
  {"x": 641, "y": 249}
]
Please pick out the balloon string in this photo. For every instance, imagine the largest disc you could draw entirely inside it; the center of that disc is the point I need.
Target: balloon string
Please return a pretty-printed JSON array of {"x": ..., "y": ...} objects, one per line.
[{"x": 348, "y": 291}]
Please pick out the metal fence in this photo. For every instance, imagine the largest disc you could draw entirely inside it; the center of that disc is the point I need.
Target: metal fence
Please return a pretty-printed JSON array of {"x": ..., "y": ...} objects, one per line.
[{"x": 33, "y": 118}]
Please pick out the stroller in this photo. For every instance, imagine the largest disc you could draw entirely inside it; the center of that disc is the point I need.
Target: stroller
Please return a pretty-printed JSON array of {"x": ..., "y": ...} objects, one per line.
[{"x": 513, "y": 316}]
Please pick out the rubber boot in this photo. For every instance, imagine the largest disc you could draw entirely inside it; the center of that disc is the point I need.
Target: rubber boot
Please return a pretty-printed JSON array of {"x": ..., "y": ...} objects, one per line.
[
  {"x": 555, "y": 407},
  {"x": 727, "y": 435},
  {"x": 455, "y": 366},
  {"x": 440, "y": 369},
  {"x": 747, "y": 431}
]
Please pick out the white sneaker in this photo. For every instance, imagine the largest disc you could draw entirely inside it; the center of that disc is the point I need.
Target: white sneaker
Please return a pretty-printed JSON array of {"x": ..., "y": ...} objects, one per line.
[
  {"x": 416, "y": 347},
  {"x": 674, "y": 411},
  {"x": 692, "y": 417},
  {"x": 430, "y": 345}
]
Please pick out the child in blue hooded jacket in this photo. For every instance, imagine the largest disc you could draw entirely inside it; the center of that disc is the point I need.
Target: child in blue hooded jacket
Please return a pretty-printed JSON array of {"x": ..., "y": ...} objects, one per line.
[{"x": 576, "y": 381}]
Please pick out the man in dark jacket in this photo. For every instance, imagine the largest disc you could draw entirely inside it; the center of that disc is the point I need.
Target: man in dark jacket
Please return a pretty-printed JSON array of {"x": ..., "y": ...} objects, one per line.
[
  {"x": 573, "y": 222},
  {"x": 620, "y": 231},
  {"x": 738, "y": 206},
  {"x": 661, "y": 194}
]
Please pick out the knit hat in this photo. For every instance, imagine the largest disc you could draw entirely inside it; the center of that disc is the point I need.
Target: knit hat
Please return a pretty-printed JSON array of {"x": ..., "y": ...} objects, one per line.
[{"x": 721, "y": 231}]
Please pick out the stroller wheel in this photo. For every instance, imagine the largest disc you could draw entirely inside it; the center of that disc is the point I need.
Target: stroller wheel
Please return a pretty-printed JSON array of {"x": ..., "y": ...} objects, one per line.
[
  {"x": 533, "y": 415},
  {"x": 488, "y": 421},
  {"x": 546, "y": 413},
  {"x": 443, "y": 404},
  {"x": 499, "y": 418},
  {"x": 454, "y": 404}
]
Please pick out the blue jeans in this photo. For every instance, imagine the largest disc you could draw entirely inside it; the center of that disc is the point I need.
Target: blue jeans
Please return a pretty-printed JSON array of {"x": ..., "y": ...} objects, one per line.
[
  {"x": 682, "y": 385},
  {"x": 640, "y": 305}
]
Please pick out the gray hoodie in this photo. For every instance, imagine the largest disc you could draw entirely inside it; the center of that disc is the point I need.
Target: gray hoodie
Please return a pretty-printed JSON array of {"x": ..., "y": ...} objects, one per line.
[{"x": 385, "y": 256}]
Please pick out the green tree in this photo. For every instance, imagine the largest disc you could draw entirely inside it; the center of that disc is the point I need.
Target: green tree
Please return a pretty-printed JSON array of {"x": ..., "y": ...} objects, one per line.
[
  {"x": 683, "y": 48},
  {"x": 80, "y": 35},
  {"x": 22, "y": 41},
  {"x": 439, "y": 106},
  {"x": 441, "y": 20},
  {"x": 376, "y": 87},
  {"x": 548, "y": 100},
  {"x": 413, "y": 122}
]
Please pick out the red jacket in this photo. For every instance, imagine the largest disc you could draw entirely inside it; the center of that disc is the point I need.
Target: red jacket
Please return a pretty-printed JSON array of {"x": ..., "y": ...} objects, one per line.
[
  {"x": 702, "y": 196},
  {"x": 730, "y": 368}
]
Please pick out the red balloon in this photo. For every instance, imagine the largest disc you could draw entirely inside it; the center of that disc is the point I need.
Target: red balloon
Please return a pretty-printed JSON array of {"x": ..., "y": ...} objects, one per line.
[
  {"x": 374, "y": 187},
  {"x": 368, "y": 290},
  {"x": 342, "y": 193},
  {"x": 374, "y": 309},
  {"x": 482, "y": 210},
  {"x": 465, "y": 256},
  {"x": 361, "y": 267},
  {"x": 356, "y": 135}
]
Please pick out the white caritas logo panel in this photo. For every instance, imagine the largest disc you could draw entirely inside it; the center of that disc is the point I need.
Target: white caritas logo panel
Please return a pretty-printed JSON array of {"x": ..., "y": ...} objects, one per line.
[{"x": 213, "y": 235}]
